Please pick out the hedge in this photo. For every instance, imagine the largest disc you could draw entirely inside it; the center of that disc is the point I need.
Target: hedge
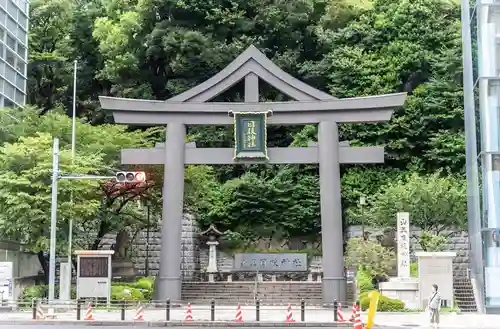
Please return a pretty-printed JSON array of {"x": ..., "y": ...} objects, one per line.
[{"x": 385, "y": 304}]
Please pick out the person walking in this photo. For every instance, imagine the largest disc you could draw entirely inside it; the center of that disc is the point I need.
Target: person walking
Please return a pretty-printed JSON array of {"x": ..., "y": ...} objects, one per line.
[{"x": 434, "y": 306}]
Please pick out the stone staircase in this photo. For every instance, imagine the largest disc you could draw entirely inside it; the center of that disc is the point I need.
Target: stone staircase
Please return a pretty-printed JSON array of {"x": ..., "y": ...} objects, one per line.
[
  {"x": 245, "y": 293},
  {"x": 464, "y": 294}
]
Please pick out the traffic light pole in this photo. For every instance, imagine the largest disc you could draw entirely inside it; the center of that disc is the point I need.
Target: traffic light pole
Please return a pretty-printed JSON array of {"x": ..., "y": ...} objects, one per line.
[
  {"x": 53, "y": 217},
  {"x": 53, "y": 224}
]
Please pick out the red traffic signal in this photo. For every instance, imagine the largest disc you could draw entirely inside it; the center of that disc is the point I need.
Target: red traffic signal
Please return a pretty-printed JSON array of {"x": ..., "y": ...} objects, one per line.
[{"x": 130, "y": 176}]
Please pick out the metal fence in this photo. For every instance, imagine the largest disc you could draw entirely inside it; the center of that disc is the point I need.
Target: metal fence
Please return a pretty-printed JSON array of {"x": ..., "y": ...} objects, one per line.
[{"x": 297, "y": 310}]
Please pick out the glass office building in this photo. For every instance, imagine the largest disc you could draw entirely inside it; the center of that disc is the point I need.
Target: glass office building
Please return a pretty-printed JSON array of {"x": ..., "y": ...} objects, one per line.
[{"x": 13, "y": 52}]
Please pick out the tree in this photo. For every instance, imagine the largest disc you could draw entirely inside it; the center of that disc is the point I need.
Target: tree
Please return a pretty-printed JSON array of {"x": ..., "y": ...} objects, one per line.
[
  {"x": 392, "y": 48},
  {"x": 281, "y": 208},
  {"x": 25, "y": 191},
  {"x": 49, "y": 71},
  {"x": 369, "y": 257},
  {"x": 436, "y": 203}
]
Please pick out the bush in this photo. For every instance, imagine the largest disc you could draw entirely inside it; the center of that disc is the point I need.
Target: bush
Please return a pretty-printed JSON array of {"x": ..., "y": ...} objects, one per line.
[
  {"x": 145, "y": 283},
  {"x": 35, "y": 292},
  {"x": 118, "y": 293},
  {"x": 385, "y": 304},
  {"x": 364, "y": 281}
]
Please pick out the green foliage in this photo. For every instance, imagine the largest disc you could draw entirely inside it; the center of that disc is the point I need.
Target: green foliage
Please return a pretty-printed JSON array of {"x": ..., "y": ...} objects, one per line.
[
  {"x": 155, "y": 49},
  {"x": 42, "y": 291},
  {"x": 369, "y": 257},
  {"x": 414, "y": 270},
  {"x": 280, "y": 207},
  {"x": 123, "y": 292},
  {"x": 364, "y": 281},
  {"x": 435, "y": 203},
  {"x": 35, "y": 292},
  {"x": 385, "y": 304},
  {"x": 432, "y": 242}
]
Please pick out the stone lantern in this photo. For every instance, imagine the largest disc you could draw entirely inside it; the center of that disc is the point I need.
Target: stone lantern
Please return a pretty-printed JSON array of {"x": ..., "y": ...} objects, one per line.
[{"x": 212, "y": 236}]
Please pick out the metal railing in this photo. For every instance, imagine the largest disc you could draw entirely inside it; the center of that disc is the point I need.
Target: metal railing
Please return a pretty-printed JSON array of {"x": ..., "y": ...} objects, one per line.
[{"x": 297, "y": 310}]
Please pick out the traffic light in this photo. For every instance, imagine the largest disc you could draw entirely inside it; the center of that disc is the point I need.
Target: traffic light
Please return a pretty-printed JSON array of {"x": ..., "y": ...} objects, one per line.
[{"x": 130, "y": 176}]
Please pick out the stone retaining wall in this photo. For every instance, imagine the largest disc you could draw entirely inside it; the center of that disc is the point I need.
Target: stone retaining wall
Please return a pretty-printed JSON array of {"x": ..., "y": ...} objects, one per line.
[{"x": 194, "y": 256}]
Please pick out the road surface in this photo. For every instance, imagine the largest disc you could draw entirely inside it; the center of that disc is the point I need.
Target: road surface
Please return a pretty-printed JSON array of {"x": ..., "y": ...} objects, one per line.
[{"x": 41, "y": 326}]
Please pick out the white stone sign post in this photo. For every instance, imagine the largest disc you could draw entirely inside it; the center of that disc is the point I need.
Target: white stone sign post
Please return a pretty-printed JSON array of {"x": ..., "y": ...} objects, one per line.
[
  {"x": 403, "y": 287},
  {"x": 403, "y": 239}
]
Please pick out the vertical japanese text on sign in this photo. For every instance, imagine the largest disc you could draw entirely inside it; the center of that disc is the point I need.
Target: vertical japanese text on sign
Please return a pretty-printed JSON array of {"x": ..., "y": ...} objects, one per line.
[
  {"x": 403, "y": 239},
  {"x": 250, "y": 140},
  {"x": 250, "y": 135}
]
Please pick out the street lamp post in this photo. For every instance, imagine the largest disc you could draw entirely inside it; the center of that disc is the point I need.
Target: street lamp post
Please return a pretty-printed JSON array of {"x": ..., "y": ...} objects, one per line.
[
  {"x": 362, "y": 202},
  {"x": 146, "y": 265}
]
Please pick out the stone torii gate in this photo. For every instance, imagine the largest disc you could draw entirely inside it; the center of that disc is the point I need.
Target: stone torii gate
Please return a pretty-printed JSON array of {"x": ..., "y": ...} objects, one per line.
[{"x": 193, "y": 107}]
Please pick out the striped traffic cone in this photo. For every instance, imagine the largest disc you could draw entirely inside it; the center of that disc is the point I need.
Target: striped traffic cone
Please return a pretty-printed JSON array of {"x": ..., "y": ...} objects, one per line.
[
  {"x": 357, "y": 320},
  {"x": 88, "y": 314},
  {"x": 289, "y": 315},
  {"x": 353, "y": 314},
  {"x": 239, "y": 315},
  {"x": 39, "y": 312},
  {"x": 340, "y": 317},
  {"x": 139, "y": 313},
  {"x": 189, "y": 314}
]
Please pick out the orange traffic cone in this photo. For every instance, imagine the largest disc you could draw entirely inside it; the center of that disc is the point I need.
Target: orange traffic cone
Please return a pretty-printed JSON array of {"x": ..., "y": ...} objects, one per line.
[
  {"x": 139, "y": 313},
  {"x": 353, "y": 314},
  {"x": 88, "y": 314},
  {"x": 357, "y": 320},
  {"x": 239, "y": 315},
  {"x": 289, "y": 316},
  {"x": 39, "y": 312},
  {"x": 189, "y": 314},
  {"x": 340, "y": 317}
]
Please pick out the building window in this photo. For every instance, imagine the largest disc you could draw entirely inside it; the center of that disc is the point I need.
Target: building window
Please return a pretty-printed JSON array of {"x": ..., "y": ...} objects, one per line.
[
  {"x": 11, "y": 42},
  {"x": 10, "y": 74},
  {"x": 3, "y": 3},
  {"x": 21, "y": 67},
  {"x": 19, "y": 81},
  {"x": 19, "y": 97},
  {"x": 8, "y": 103},
  {"x": 12, "y": 9},
  {"x": 2, "y": 33},
  {"x": 3, "y": 16},
  {"x": 21, "y": 51},
  {"x": 2, "y": 69},
  {"x": 1, "y": 51},
  {"x": 9, "y": 90},
  {"x": 10, "y": 57},
  {"x": 11, "y": 25},
  {"x": 21, "y": 34},
  {"x": 22, "y": 19}
]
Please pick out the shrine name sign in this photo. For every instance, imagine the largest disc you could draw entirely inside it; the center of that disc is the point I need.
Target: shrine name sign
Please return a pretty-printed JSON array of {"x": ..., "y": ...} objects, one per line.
[{"x": 267, "y": 262}]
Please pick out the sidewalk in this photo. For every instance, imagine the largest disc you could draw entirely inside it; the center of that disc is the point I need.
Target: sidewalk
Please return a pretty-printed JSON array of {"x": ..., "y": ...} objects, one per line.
[{"x": 268, "y": 315}]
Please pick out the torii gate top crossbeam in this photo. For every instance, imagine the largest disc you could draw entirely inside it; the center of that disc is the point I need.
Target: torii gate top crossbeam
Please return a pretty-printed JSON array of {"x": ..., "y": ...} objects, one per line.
[{"x": 311, "y": 105}]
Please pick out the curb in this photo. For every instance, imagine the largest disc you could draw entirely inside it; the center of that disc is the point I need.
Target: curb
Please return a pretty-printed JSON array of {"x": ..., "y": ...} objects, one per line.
[{"x": 220, "y": 324}]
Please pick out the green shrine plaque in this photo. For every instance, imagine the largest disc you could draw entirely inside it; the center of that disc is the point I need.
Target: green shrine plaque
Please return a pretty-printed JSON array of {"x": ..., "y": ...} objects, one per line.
[{"x": 250, "y": 133}]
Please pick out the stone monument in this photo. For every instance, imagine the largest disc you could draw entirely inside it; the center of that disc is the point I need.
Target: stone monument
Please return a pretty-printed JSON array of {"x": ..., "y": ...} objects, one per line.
[
  {"x": 435, "y": 268},
  {"x": 250, "y": 120},
  {"x": 211, "y": 234},
  {"x": 403, "y": 287}
]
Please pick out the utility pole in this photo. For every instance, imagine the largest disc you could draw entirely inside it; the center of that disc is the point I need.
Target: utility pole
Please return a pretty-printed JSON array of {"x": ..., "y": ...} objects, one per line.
[
  {"x": 473, "y": 200},
  {"x": 53, "y": 223}
]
